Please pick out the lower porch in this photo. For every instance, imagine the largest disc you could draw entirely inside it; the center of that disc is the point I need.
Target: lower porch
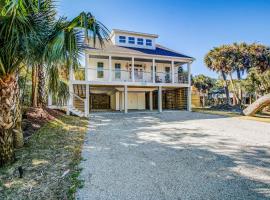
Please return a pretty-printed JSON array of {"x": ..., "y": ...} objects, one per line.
[{"x": 93, "y": 98}]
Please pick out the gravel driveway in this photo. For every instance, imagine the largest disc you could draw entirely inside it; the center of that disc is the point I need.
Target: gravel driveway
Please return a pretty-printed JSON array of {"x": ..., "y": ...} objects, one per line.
[{"x": 175, "y": 156}]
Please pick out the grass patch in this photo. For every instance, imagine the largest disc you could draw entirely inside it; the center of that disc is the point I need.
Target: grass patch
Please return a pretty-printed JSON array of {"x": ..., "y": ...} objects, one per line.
[
  {"x": 261, "y": 117},
  {"x": 216, "y": 112},
  {"x": 49, "y": 160}
]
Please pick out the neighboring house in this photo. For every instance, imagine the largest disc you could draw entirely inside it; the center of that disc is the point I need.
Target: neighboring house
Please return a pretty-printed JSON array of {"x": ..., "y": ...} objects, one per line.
[{"x": 120, "y": 76}]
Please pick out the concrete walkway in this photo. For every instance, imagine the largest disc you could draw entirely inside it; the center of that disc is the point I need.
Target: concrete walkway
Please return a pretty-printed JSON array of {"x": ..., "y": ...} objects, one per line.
[{"x": 175, "y": 155}]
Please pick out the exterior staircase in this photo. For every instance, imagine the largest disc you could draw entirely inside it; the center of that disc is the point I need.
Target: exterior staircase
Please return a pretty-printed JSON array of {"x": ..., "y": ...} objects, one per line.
[{"x": 78, "y": 98}]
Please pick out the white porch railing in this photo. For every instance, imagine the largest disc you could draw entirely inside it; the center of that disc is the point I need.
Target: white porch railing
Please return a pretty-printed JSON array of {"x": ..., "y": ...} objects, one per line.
[{"x": 117, "y": 75}]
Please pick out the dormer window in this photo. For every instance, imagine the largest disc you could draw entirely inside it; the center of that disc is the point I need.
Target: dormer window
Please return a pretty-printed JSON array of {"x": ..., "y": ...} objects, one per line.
[
  {"x": 131, "y": 40},
  {"x": 148, "y": 42},
  {"x": 122, "y": 39},
  {"x": 140, "y": 41}
]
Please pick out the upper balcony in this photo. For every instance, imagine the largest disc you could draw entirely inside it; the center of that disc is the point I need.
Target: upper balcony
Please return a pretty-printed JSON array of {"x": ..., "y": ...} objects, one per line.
[{"x": 121, "y": 70}]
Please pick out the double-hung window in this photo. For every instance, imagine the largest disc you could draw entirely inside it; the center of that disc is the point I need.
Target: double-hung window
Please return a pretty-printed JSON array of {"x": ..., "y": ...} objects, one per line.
[
  {"x": 100, "y": 72},
  {"x": 117, "y": 71},
  {"x": 148, "y": 42},
  {"x": 140, "y": 41},
  {"x": 122, "y": 39},
  {"x": 131, "y": 40}
]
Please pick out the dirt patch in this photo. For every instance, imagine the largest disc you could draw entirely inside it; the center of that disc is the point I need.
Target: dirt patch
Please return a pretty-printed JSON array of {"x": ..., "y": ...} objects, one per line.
[{"x": 35, "y": 118}]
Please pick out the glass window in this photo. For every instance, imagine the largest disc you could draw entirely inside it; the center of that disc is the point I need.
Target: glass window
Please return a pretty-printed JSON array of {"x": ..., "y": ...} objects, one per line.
[
  {"x": 148, "y": 42},
  {"x": 100, "y": 72},
  {"x": 122, "y": 39},
  {"x": 140, "y": 41},
  {"x": 117, "y": 71},
  {"x": 131, "y": 40}
]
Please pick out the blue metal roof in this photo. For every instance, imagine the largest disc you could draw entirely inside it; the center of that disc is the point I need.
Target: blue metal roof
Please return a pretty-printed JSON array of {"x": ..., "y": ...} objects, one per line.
[{"x": 158, "y": 51}]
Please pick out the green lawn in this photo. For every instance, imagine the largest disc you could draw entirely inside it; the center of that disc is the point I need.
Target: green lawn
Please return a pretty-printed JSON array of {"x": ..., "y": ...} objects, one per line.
[
  {"x": 50, "y": 153},
  {"x": 262, "y": 117}
]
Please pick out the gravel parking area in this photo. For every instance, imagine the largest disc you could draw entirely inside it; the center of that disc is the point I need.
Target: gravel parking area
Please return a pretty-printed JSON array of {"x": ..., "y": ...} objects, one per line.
[{"x": 175, "y": 155}]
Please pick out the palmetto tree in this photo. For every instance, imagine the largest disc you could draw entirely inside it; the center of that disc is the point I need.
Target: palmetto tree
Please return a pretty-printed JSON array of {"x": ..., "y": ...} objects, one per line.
[
  {"x": 23, "y": 31},
  {"x": 216, "y": 60},
  {"x": 203, "y": 84}
]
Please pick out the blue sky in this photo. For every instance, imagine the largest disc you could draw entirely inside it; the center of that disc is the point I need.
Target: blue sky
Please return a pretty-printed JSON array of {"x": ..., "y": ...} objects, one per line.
[{"x": 190, "y": 27}]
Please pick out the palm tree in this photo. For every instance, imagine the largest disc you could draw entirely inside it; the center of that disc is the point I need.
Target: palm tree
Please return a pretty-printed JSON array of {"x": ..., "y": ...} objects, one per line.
[
  {"x": 22, "y": 30},
  {"x": 203, "y": 84},
  {"x": 216, "y": 61},
  {"x": 84, "y": 21},
  {"x": 17, "y": 31}
]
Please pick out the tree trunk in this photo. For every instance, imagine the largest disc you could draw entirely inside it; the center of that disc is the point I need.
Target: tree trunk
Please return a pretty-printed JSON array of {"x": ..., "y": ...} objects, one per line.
[
  {"x": 234, "y": 90},
  {"x": 226, "y": 88},
  {"x": 41, "y": 86},
  {"x": 9, "y": 93},
  {"x": 34, "y": 86},
  {"x": 257, "y": 105},
  {"x": 240, "y": 93}
]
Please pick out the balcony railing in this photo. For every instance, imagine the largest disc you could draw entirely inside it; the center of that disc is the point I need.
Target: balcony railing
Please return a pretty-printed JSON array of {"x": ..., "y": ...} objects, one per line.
[{"x": 117, "y": 75}]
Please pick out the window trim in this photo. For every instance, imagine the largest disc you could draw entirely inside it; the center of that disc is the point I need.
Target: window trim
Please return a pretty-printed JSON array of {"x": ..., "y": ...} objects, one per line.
[
  {"x": 122, "y": 39},
  {"x": 131, "y": 39},
  {"x": 140, "y": 41},
  {"x": 117, "y": 71},
  {"x": 100, "y": 70},
  {"x": 148, "y": 42}
]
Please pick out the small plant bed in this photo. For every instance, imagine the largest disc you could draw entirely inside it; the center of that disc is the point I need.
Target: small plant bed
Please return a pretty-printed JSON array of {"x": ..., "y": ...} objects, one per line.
[{"x": 49, "y": 161}]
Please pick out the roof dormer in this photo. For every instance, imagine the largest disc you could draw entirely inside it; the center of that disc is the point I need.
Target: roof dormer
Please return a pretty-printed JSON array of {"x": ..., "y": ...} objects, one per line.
[{"x": 133, "y": 39}]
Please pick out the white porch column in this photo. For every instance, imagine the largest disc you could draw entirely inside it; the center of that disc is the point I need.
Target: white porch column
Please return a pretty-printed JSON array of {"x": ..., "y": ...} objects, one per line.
[
  {"x": 126, "y": 98},
  {"x": 151, "y": 100},
  {"x": 132, "y": 69},
  {"x": 159, "y": 99},
  {"x": 153, "y": 71},
  {"x": 189, "y": 87},
  {"x": 172, "y": 71},
  {"x": 122, "y": 101},
  {"x": 86, "y": 103},
  {"x": 71, "y": 74},
  {"x": 49, "y": 99},
  {"x": 110, "y": 68},
  {"x": 86, "y": 66},
  {"x": 70, "y": 89}
]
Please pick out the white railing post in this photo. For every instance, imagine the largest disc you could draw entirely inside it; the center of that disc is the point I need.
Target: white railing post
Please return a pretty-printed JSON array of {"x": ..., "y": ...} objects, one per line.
[
  {"x": 86, "y": 101},
  {"x": 132, "y": 69},
  {"x": 153, "y": 71},
  {"x": 172, "y": 71},
  {"x": 110, "y": 68},
  {"x": 189, "y": 87},
  {"x": 159, "y": 99}
]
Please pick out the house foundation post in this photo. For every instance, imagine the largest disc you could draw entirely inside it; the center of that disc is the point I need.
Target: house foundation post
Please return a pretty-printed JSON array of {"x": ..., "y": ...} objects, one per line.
[
  {"x": 126, "y": 98},
  {"x": 189, "y": 88},
  {"x": 160, "y": 99},
  {"x": 86, "y": 101},
  {"x": 151, "y": 100}
]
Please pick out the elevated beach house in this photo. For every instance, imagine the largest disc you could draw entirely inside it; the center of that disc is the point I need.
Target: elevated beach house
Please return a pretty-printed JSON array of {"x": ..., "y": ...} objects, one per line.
[{"x": 131, "y": 72}]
